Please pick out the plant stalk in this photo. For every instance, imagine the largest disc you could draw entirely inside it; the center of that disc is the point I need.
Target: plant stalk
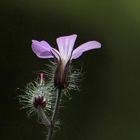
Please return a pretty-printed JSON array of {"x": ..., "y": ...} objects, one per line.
[
  {"x": 44, "y": 118},
  {"x": 54, "y": 115}
]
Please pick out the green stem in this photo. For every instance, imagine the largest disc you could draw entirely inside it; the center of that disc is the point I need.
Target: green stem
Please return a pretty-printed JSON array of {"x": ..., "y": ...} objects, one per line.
[
  {"x": 54, "y": 115},
  {"x": 44, "y": 118}
]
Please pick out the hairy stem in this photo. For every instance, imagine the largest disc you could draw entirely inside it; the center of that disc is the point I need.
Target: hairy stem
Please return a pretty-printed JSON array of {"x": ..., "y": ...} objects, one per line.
[
  {"x": 54, "y": 115},
  {"x": 44, "y": 118}
]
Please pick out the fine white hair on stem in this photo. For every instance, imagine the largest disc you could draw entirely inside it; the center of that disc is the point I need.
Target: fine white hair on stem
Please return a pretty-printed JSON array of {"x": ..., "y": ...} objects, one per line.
[
  {"x": 74, "y": 77},
  {"x": 40, "y": 98},
  {"x": 34, "y": 90}
]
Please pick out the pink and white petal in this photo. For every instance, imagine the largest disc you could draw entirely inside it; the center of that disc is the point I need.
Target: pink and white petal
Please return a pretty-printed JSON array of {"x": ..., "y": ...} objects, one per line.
[
  {"x": 42, "y": 49},
  {"x": 55, "y": 53},
  {"x": 45, "y": 44},
  {"x": 85, "y": 47},
  {"x": 66, "y": 44},
  {"x": 45, "y": 54}
]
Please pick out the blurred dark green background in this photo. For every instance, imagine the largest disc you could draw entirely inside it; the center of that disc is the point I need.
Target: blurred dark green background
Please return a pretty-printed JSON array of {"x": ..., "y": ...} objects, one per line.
[{"x": 108, "y": 106}]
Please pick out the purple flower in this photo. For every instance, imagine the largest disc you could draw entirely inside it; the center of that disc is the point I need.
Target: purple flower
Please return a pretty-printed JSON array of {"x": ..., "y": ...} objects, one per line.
[
  {"x": 66, "y": 52},
  {"x": 65, "y": 45}
]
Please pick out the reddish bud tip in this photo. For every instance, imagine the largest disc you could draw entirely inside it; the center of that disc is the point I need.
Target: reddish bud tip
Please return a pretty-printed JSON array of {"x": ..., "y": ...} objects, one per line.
[
  {"x": 41, "y": 78},
  {"x": 40, "y": 101}
]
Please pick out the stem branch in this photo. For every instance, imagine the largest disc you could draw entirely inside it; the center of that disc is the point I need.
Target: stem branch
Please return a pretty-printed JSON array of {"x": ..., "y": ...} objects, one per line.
[{"x": 44, "y": 118}]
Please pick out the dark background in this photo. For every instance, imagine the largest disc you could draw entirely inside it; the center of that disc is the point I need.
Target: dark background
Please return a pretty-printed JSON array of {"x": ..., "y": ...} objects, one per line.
[{"x": 108, "y": 106}]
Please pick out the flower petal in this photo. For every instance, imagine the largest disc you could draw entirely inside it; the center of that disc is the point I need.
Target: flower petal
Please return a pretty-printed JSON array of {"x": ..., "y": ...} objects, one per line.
[
  {"x": 65, "y": 45},
  {"x": 56, "y": 53},
  {"x": 85, "y": 47},
  {"x": 42, "y": 49}
]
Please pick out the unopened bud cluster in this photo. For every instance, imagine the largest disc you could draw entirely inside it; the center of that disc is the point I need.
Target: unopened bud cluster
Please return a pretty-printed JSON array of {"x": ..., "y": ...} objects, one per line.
[{"x": 37, "y": 94}]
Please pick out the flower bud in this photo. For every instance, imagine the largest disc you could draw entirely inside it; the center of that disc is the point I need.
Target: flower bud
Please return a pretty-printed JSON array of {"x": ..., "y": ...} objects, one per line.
[
  {"x": 40, "y": 101},
  {"x": 37, "y": 95}
]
